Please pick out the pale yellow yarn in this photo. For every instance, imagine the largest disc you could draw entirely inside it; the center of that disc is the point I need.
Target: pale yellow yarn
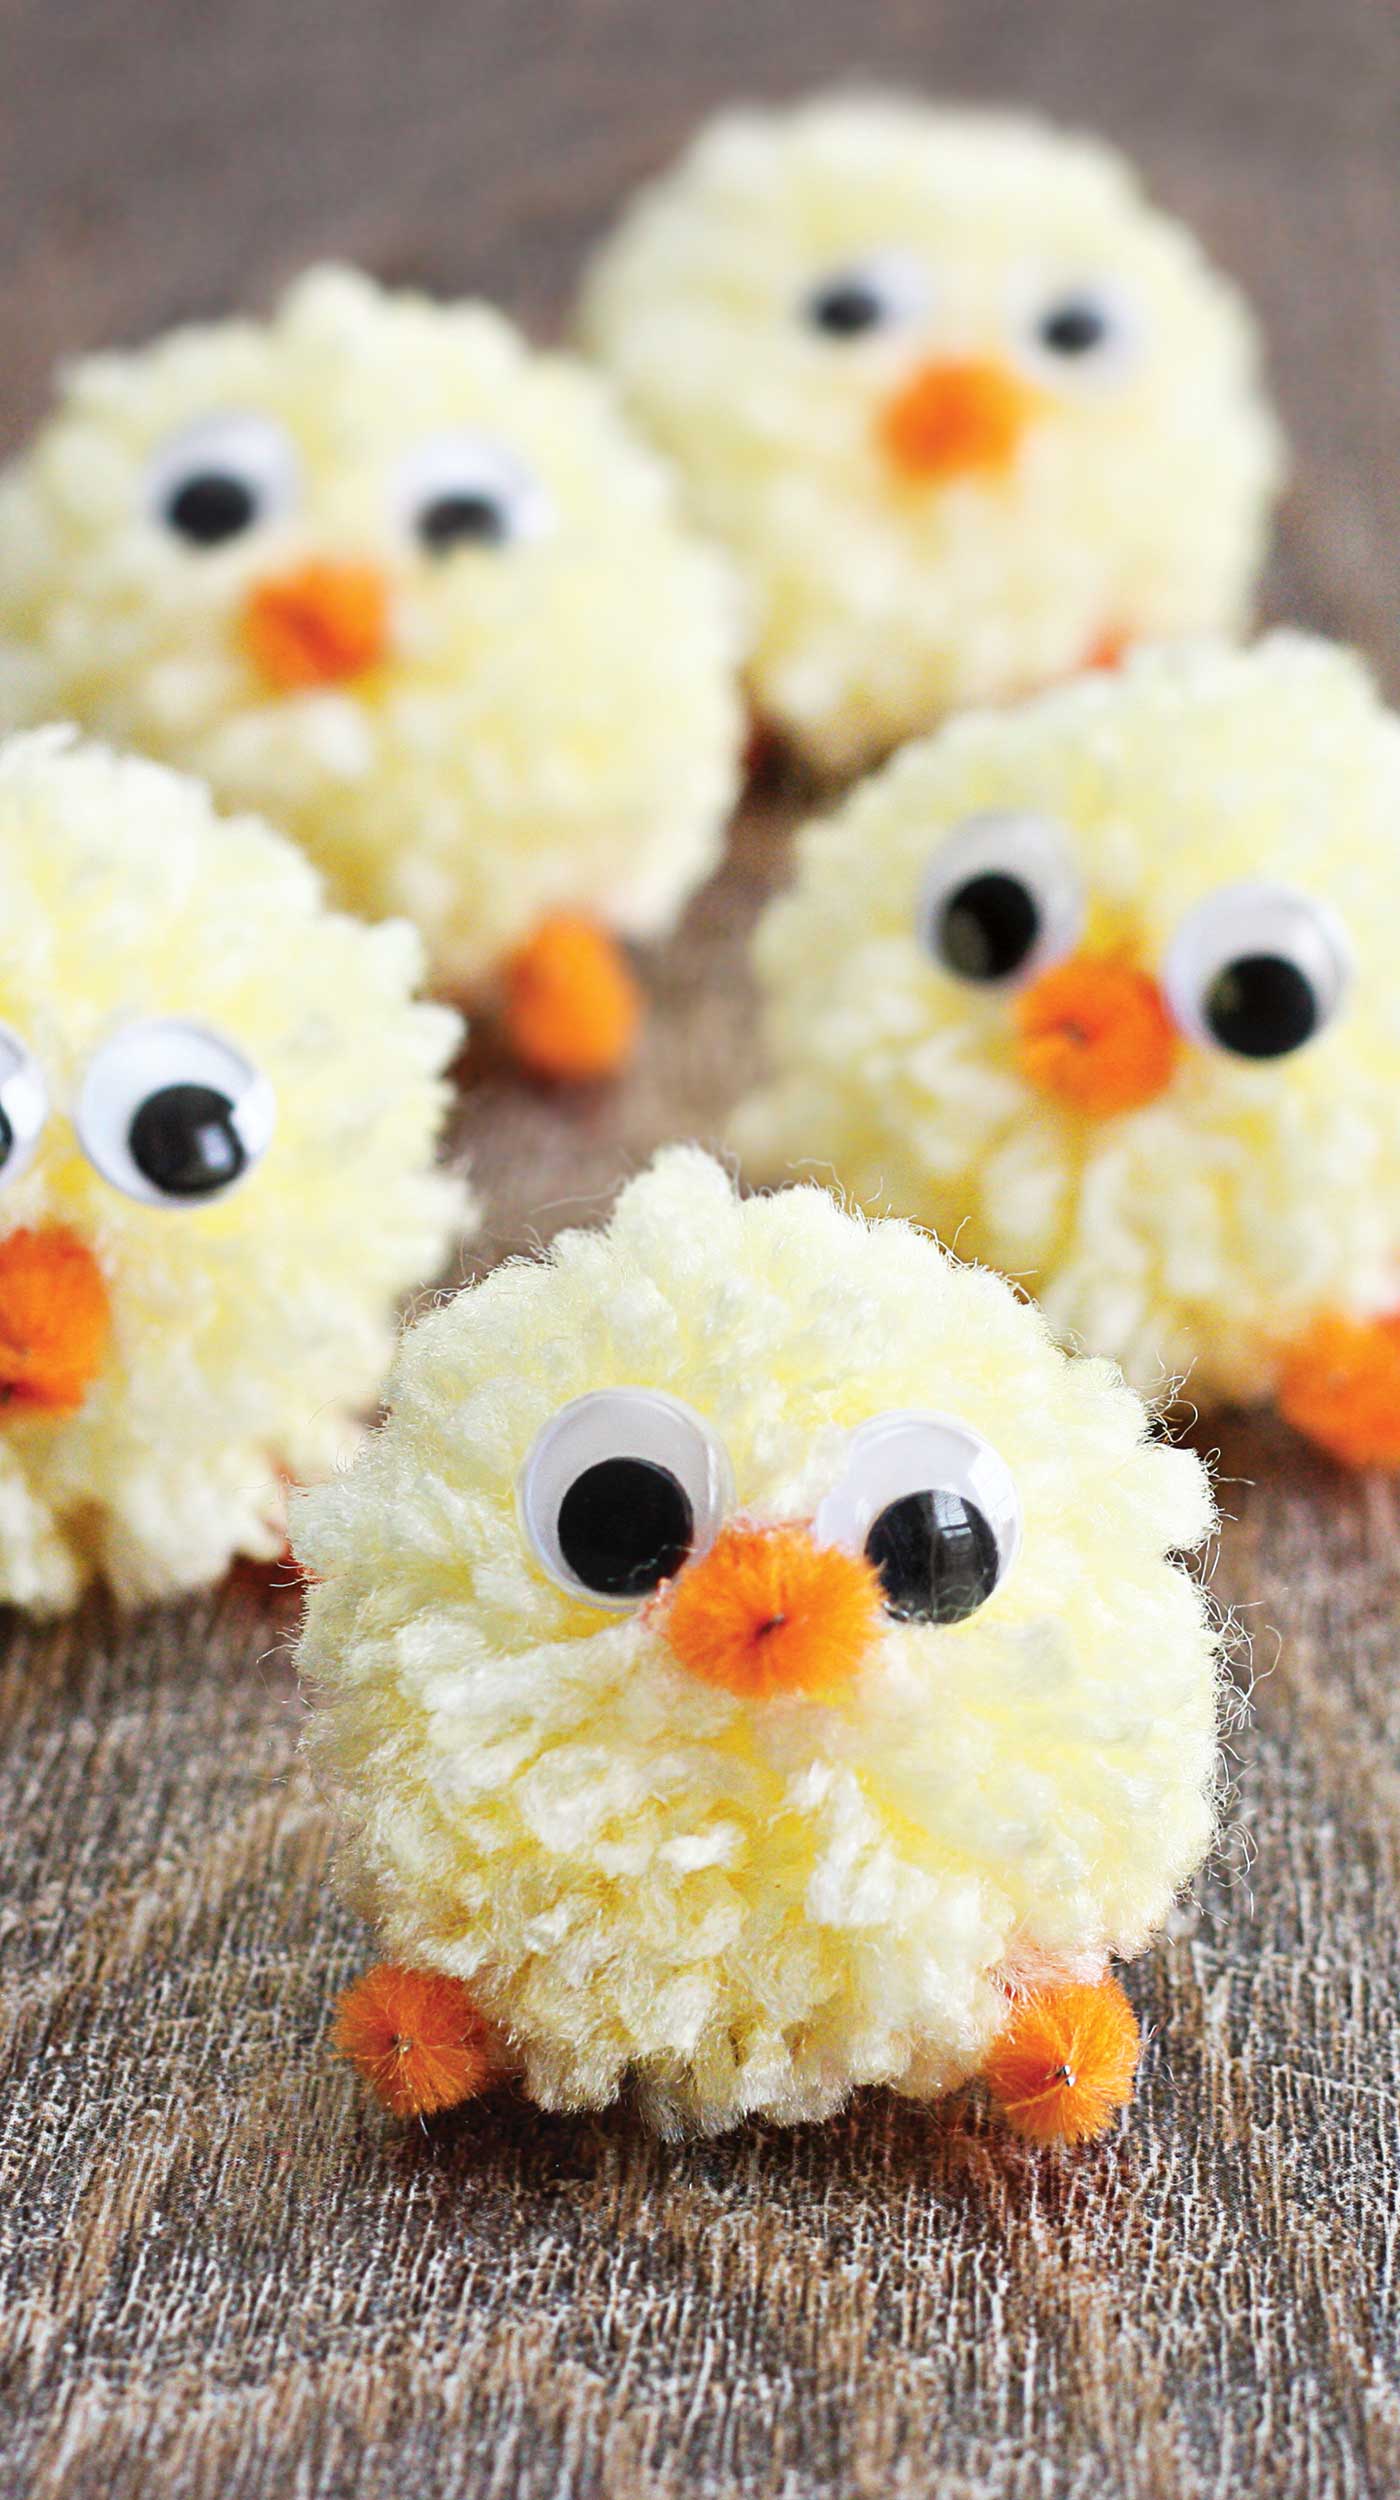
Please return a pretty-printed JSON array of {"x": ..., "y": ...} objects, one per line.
[
  {"x": 1138, "y": 505},
  {"x": 1194, "y": 1238},
  {"x": 754, "y": 1905},
  {"x": 247, "y": 1332},
  {"x": 556, "y": 726}
]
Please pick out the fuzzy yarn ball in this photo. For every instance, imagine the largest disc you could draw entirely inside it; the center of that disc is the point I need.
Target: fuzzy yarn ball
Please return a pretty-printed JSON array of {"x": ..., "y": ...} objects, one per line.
[
  {"x": 968, "y": 413},
  {"x": 645, "y": 1863},
  {"x": 1103, "y": 989},
  {"x": 377, "y": 569},
  {"x": 218, "y": 1108}
]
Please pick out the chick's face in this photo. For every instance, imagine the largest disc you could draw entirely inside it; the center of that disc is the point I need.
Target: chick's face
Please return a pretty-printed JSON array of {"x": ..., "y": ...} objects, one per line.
[
  {"x": 380, "y": 571},
  {"x": 748, "y": 1640},
  {"x": 967, "y": 409},
  {"x": 218, "y": 1107},
  {"x": 1102, "y": 989}
]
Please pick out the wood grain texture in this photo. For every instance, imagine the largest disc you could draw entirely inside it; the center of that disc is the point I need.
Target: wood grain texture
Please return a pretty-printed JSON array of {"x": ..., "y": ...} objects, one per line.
[{"x": 222, "y": 2276}]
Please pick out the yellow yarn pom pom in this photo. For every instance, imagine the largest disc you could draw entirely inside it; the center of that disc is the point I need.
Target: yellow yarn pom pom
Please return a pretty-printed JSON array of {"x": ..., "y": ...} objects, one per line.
[
  {"x": 218, "y": 1108},
  {"x": 749, "y": 1650},
  {"x": 377, "y": 569},
  {"x": 963, "y": 407},
  {"x": 1101, "y": 988}
]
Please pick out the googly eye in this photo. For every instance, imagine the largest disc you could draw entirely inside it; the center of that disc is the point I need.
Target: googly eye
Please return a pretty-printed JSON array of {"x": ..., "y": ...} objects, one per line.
[
  {"x": 932, "y": 1507},
  {"x": 620, "y": 1489},
  {"x": 24, "y": 1105},
  {"x": 172, "y": 1114},
  {"x": 1002, "y": 899},
  {"x": 880, "y": 293},
  {"x": 462, "y": 490},
  {"x": 1088, "y": 332},
  {"x": 220, "y": 477},
  {"x": 1258, "y": 970}
]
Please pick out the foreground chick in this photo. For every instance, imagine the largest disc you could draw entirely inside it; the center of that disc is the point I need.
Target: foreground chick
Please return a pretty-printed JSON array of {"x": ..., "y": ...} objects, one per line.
[
  {"x": 1103, "y": 989},
  {"x": 750, "y": 1663},
  {"x": 969, "y": 414},
  {"x": 218, "y": 1106},
  {"x": 380, "y": 571}
]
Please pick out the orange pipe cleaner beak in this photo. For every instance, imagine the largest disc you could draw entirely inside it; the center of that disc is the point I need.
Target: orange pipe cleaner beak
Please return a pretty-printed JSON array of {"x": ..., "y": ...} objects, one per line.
[
  {"x": 318, "y": 625},
  {"x": 55, "y": 1321},
  {"x": 952, "y": 420},
  {"x": 1065, "y": 2062},
  {"x": 1097, "y": 1035},
  {"x": 768, "y": 1611}
]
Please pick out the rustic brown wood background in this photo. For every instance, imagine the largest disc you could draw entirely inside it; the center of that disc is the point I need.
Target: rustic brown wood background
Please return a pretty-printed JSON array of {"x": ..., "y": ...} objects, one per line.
[{"x": 221, "y": 2275}]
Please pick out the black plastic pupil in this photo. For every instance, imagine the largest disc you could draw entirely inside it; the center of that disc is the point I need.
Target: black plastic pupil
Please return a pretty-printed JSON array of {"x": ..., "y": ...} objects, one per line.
[
  {"x": 1261, "y": 1007},
  {"x": 184, "y": 1141},
  {"x": 1073, "y": 328},
  {"x": 846, "y": 307},
  {"x": 625, "y": 1526},
  {"x": 987, "y": 927},
  {"x": 936, "y": 1557},
  {"x": 463, "y": 518},
  {"x": 7, "y": 1135},
  {"x": 212, "y": 506}
]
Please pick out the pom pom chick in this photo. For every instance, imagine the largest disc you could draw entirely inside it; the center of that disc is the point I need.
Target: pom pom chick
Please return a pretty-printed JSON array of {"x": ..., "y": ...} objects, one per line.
[
  {"x": 752, "y": 1664},
  {"x": 218, "y": 1106},
  {"x": 1103, "y": 989},
  {"x": 969, "y": 414},
  {"x": 380, "y": 572}
]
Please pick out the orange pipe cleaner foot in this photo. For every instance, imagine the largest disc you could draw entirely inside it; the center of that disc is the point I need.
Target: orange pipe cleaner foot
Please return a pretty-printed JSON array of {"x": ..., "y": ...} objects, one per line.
[
  {"x": 416, "y": 2038},
  {"x": 55, "y": 1320},
  {"x": 572, "y": 1007},
  {"x": 1341, "y": 1388},
  {"x": 1065, "y": 2062}
]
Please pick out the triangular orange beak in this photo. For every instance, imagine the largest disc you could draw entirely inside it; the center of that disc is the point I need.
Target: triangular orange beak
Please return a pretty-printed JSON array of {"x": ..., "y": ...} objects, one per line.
[
  {"x": 55, "y": 1321},
  {"x": 1096, "y": 1034},
  {"x": 768, "y": 1610},
  {"x": 319, "y": 625},
  {"x": 956, "y": 419}
]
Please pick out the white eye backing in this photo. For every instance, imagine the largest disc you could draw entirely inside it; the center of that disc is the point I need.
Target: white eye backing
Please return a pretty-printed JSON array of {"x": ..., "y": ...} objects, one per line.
[
  {"x": 620, "y": 1490},
  {"x": 932, "y": 1506},
  {"x": 1258, "y": 970},
  {"x": 173, "y": 1114},
  {"x": 24, "y": 1104},
  {"x": 881, "y": 291},
  {"x": 220, "y": 477},
  {"x": 462, "y": 490},
  {"x": 1078, "y": 332},
  {"x": 1002, "y": 900}
]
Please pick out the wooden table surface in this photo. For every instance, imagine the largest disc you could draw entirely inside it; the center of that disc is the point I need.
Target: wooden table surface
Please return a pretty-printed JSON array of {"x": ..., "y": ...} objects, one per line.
[{"x": 223, "y": 2276}]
